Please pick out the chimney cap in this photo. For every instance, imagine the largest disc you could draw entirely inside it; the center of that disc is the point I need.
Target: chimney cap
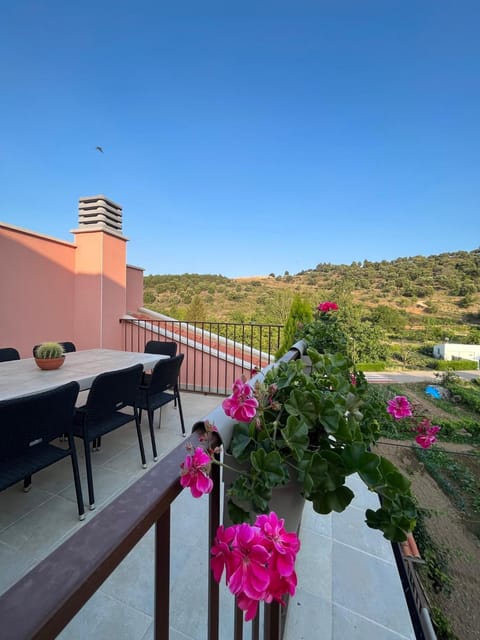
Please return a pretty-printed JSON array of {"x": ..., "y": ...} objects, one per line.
[{"x": 98, "y": 212}]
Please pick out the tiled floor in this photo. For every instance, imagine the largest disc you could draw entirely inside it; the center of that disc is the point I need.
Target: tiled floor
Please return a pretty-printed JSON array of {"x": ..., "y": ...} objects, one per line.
[
  {"x": 348, "y": 579},
  {"x": 348, "y": 582}
]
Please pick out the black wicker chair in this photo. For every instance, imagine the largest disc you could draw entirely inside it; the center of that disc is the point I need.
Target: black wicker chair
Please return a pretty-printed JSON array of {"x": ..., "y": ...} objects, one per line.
[
  {"x": 68, "y": 347},
  {"x": 29, "y": 426},
  {"x": 110, "y": 393},
  {"x": 161, "y": 389},
  {"x": 9, "y": 353},
  {"x": 163, "y": 348}
]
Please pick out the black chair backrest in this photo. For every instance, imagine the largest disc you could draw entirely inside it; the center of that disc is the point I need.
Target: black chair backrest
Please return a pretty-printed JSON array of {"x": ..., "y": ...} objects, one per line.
[
  {"x": 68, "y": 347},
  {"x": 163, "y": 348},
  {"x": 35, "y": 419},
  {"x": 112, "y": 391},
  {"x": 165, "y": 374},
  {"x": 9, "y": 353}
]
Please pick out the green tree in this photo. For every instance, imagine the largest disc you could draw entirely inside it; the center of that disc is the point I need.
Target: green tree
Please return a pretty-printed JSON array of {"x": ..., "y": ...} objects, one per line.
[
  {"x": 196, "y": 310},
  {"x": 390, "y": 319},
  {"x": 278, "y": 307},
  {"x": 347, "y": 331},
  {"x": 300, "y": 314},
  {"x": 148, "y": 297}
]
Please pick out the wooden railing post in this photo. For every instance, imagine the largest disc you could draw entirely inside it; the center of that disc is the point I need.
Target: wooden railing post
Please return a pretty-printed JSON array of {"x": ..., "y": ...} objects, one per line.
[
  {"x": 213, "y": 588},
  {"x": 272, "y": 624},
  {"x": 162, "y": 577}
]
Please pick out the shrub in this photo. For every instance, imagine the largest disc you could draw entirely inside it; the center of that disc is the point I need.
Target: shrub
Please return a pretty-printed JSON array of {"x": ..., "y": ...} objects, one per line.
[
  {"x": 371, "y": 366},
  {"x": 300, "y": 314},
  {"x": 468, "y": 395},
  {"x": 455, "y": 365}
]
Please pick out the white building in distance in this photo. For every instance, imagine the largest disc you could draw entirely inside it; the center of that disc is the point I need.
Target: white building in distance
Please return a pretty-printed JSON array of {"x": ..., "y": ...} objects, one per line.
[{"x": 451, "y": 351}]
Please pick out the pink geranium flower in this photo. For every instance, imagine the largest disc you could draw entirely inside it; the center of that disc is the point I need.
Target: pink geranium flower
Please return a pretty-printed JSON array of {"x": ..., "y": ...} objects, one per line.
[
  {"x": 221, "y": 552},
  {"x": 286, "y": 544},
  {"x": 194, "y": 473},
  {"x": 258, "y": 559},
  {"x": 426, "y": 433},
  {"x": 325, "y": 307},
  {"x": 249, "y": 557},
  {"x": 399, "y": 408},
  {"x": 241, "y": 405},
  {"x": 249, "y": 605},
  {"x": 279, "y": 586},
  {"x": 425, "y": 441}
]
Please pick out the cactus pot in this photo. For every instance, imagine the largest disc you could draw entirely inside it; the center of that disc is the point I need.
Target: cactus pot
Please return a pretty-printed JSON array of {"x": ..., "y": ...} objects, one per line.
[{"x": 47, "y": 364}]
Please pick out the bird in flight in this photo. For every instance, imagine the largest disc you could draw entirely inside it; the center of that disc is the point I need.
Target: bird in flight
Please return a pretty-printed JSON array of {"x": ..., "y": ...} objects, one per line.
[{"x": 99, "y": 149}]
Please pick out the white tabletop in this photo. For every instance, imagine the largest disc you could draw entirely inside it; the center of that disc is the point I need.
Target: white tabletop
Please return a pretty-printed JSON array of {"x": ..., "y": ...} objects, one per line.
[{"x": 23, "y": 377}]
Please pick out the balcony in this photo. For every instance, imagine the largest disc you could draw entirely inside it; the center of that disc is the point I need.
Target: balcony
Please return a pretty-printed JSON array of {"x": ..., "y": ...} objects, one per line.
[{"x": 348, "y": 580}]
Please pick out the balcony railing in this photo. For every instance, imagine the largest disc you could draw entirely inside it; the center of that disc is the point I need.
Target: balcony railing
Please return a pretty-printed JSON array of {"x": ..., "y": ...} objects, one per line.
[
  {"x": 216, "y": 353},
  {"x": 44, "y": 601}
]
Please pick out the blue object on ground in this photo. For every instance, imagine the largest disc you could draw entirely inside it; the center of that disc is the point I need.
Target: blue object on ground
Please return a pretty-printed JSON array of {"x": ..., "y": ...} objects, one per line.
[{"x": 434, "y": 392}]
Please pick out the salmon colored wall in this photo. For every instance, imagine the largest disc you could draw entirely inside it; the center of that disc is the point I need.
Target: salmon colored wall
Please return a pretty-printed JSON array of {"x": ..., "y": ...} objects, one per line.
[
  {"x": 114, "y": 289},
  {"x": 88, "y": 289},
  {"x": 134, "y": 288},
  {"x": 100, "y": 289},
  {"x": 36, "y": 289},
  {"x": 56, "y": 290}
]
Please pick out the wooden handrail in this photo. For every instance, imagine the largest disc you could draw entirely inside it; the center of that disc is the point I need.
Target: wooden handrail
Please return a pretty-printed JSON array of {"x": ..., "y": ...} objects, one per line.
[{"x": 44, "y": 601}]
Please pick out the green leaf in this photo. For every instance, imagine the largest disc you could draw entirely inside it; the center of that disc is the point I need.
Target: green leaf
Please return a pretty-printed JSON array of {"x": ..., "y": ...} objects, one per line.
[
  {"x": 301, "y": 404},
  {"x": 356, "y": 458},
  {"x": 237, "y": 514},
  {"x": 261, "y": 496},
  {"x": 241, "y": 441},
  {"x": 313, "y": 473},
  {"x": 329, "y": 501},
  {"x": 270, "y": 466},
  {"x": 295, "y": 435},
  {"x": 397, "y": 481},
  {"x": 331, "y": 414},
  {"x": 382, "y": 520}
]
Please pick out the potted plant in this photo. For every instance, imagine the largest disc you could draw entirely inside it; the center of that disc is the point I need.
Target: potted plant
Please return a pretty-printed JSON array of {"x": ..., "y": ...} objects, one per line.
[
  {"x": 313, "y": 430},
  {"x": 49, "y": 355},
  {"x": 303, "y": 427},
  {"x": 307, "y": 425}
]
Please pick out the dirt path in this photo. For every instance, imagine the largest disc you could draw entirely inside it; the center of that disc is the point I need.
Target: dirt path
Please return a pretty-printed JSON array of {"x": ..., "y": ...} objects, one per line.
[{"x": 447, "y": 528}]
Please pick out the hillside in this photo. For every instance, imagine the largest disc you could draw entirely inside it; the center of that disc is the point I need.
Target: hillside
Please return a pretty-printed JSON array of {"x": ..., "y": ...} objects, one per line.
[{"x": 435, "y": 292}]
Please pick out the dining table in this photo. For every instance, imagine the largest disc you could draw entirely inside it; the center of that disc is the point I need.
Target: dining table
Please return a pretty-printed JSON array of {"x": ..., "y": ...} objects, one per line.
[{"x": 23, "y": 377}]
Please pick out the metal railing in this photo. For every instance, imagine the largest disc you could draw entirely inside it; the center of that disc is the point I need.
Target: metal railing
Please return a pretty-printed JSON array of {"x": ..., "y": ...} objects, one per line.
[
  {"x": 216, "y": 353},
  {"x": 44, "y": 601}
]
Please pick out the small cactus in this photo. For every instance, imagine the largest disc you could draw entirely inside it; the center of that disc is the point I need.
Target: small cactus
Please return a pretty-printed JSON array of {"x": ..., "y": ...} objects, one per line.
[{"x": 49, "y": 350}]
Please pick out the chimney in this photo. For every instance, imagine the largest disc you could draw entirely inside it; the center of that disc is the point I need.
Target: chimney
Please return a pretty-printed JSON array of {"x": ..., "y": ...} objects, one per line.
[{"x": 98, "y": 213}]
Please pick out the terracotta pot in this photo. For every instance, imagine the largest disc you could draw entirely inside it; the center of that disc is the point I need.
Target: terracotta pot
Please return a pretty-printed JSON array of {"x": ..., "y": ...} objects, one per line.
[{"x": 47, "y": 364}]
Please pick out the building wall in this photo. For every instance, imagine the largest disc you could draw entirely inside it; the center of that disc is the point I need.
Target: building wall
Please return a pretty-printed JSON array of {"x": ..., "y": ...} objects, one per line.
[
  {"x": 100, "y": 288},
  {"x": 452, "y": 351},
  {"x": 134, "y": 288},
  {"x": 56, "y": 290},
  {"x": 88, "y": 291},
  {"x": 36, "y": 289},
  {"x": 114, "y": 276}
]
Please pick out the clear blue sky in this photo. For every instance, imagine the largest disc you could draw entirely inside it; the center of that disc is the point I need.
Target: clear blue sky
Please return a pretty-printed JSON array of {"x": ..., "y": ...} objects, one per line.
[{"x": 246, "y": 137}]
